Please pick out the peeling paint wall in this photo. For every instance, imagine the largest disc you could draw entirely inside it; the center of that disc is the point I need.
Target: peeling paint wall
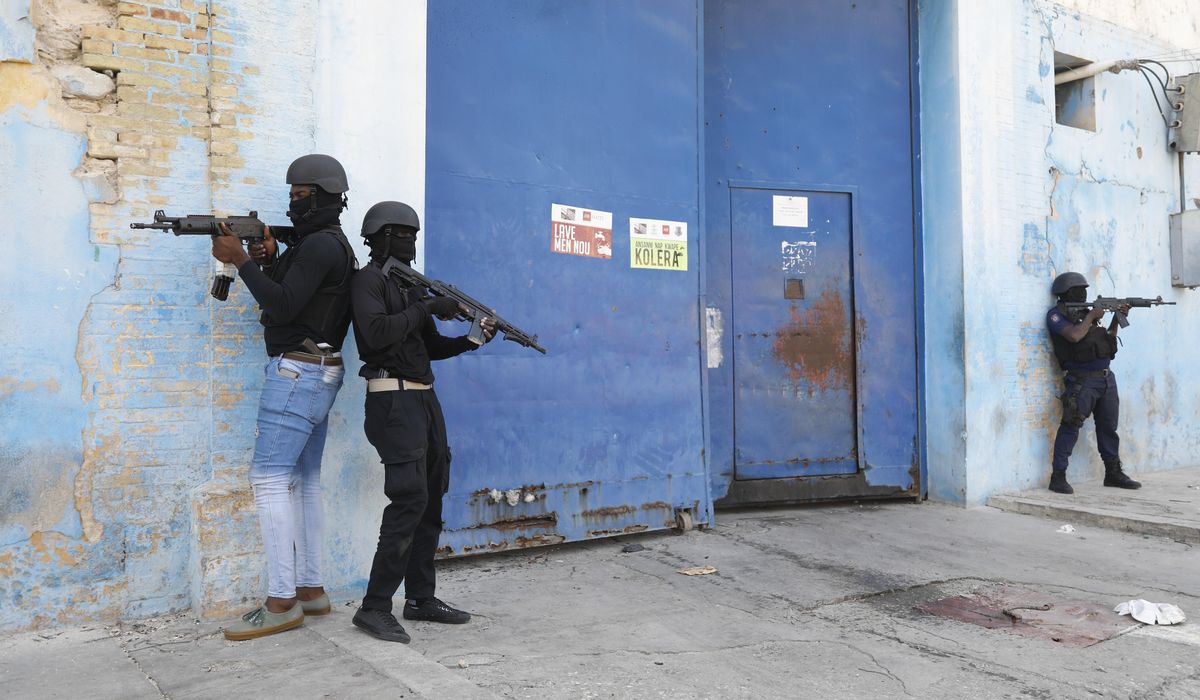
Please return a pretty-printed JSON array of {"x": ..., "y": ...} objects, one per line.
[
  {"x": 1038, "y": 198},
  {"x": 942, "y": 233},
  {"x": 127, "y": 419}
]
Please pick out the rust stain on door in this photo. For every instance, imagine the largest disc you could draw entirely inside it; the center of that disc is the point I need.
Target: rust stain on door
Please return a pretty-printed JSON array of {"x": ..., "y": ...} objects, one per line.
[{"x": 815, "y": 344}]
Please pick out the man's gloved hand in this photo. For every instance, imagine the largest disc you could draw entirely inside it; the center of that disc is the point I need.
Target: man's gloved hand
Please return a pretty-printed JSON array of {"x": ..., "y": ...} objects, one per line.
[{"x": 444, "y": 308}]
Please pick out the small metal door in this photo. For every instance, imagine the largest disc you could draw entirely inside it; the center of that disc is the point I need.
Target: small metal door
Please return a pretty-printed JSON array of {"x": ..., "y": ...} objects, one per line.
[{"x": 793, "y": 325}]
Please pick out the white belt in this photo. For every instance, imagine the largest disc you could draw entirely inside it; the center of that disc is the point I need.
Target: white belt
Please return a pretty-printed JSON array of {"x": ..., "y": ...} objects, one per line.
[{"x": 390, "y": 384}]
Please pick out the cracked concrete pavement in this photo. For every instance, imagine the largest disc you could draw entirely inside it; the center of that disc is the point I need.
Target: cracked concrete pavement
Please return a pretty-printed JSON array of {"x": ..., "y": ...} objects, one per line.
[{"x": 806, "y": 602}]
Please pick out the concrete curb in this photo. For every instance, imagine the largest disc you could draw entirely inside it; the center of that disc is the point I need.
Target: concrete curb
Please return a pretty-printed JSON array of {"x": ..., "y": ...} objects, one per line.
[
  {"x": 400, "y": 662},
  {"x": 1141, "y": 523}
]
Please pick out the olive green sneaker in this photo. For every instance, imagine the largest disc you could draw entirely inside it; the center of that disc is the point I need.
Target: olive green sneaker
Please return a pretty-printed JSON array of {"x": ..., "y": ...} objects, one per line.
[
  {"x": 259, "y": 623},
  {"x": 317, "y": 606}
]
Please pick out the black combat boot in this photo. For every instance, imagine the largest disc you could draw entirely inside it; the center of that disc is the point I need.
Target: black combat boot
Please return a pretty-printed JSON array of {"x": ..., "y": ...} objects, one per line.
[
  {"x": 1058, "y": 482},
  {"x": 1116, "y": 477}
]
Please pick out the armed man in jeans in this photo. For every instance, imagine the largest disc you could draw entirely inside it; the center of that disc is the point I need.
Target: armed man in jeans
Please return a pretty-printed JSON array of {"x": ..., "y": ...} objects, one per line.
[
  {"x": 1085, "y": 350},
  {"x": 397, "y": 339},
  {"x": 305, "y": 299}
]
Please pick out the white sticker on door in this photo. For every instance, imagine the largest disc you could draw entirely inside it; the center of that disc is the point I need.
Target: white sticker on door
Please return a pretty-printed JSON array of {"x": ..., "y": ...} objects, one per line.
[{"x": 789, "y": 211}]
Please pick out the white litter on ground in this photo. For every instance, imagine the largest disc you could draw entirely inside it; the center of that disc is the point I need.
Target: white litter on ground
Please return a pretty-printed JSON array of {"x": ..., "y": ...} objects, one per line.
[
  {"x": 1151, "y": 613},
  {"x": 1066, "y": 528}
]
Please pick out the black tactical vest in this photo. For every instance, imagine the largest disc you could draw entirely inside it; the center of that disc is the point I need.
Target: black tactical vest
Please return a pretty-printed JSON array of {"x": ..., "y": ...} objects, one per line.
[
  {"x": 328, "y": 312},
  {"x": 1096, "y": 345}
]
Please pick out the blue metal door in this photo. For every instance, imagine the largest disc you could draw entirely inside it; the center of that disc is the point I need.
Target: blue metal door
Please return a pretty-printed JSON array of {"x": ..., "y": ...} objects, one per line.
[
  {"x": 588, "y": 104},
  {"x": 814, "y": 397},
  {"x": 793, "y": 334}
]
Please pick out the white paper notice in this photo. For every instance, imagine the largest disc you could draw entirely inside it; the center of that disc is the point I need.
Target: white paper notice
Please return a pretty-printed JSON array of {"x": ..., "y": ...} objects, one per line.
[{"x": 790, "y": 211}]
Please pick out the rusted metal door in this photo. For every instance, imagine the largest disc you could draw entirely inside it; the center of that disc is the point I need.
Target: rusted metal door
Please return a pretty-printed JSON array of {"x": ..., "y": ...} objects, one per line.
[{"x": 793, "y": 326}]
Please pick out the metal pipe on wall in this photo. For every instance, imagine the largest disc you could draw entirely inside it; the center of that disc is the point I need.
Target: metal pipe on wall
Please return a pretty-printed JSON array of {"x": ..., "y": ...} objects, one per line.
[{"x": 1094, "y": 69}]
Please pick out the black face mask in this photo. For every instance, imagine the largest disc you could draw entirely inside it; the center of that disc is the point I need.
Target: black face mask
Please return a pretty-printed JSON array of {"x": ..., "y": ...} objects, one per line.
[
  {"x": 315, "y": 212},
  {"x": 387, "y": 244},
  {"x": 405, "y": 249},
  {"x": 1076, "y": 295}
]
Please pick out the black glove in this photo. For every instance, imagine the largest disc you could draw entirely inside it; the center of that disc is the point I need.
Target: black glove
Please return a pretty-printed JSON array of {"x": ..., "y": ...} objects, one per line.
[{"x": 443, "y": 307}]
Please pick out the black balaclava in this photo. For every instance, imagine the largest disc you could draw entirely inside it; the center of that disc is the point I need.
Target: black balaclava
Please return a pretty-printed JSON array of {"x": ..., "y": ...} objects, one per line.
[
  {"x": 316, "y": 211},
  {"x": 394, "y": 241},
  {"x": 1075, "y": 295}
]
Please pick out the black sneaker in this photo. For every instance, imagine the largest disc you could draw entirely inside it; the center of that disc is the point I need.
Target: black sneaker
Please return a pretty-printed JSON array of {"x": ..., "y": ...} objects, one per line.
[
  {"x": 381, "y": 625},
  {"x": 434, "y": 610}
]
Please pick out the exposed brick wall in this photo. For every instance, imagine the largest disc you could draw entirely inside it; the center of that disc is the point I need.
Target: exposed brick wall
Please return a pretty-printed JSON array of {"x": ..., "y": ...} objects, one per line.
[
  {"x": 146, "y": 342},
  {"x": 166, "y": 94}
]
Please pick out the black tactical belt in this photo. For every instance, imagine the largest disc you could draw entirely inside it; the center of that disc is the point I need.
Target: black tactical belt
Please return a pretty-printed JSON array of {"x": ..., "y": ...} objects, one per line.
[{"x": 313, "y": 359}]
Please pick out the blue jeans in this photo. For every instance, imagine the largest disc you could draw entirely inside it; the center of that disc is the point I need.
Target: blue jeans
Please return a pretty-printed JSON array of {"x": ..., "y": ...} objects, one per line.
[
  {"x": 1094, "y": 396},
  {"x": 293, "y": 417}
]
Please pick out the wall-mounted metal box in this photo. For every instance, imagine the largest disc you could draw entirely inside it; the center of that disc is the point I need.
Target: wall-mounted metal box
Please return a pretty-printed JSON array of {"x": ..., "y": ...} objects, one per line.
[
  {"x": 1186, "y": 139},
  {"x": 1185, "y": 249}
]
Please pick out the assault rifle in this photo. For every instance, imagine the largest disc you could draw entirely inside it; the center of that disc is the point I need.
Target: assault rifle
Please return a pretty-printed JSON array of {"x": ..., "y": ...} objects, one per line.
[
  {"x": 248, "y": 228},
  {"x": 468, "y": 309},
  {"x": 1112, "y": 304}
]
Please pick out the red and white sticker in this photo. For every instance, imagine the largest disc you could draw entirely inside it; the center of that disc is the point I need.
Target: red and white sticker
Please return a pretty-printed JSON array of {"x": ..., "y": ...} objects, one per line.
[{"x": 579, "y": 231}]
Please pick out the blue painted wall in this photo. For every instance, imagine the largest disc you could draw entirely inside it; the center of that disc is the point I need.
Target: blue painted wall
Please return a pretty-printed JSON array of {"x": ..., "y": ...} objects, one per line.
[
  {"x": 1011, "y": 200},
  {"x": 44, "y": 291},
  {"x": 942, "y": 238}
]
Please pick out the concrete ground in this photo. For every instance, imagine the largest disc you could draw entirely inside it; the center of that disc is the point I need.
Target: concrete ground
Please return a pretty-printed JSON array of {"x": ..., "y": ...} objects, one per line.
[
  {"x": 1167, "y": 505},
  {"x": 805, "y": 603}
]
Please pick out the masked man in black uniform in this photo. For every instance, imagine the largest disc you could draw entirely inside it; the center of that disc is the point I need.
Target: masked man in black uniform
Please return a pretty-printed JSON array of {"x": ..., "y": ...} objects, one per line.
[
  {"x": 397, "y": 338},
  {"x": 305, "y": 299},
  {"x": 1084, "y": 349}
]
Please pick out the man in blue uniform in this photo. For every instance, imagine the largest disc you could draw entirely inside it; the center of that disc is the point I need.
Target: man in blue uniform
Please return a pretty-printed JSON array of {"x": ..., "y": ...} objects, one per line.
[{"x": 1084, "y": 350}]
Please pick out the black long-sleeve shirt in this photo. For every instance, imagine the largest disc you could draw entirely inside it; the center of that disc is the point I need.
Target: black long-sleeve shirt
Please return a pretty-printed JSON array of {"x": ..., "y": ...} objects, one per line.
[
  {"x": 316, "y": 261},
  {"x": 395, "y": 331}
]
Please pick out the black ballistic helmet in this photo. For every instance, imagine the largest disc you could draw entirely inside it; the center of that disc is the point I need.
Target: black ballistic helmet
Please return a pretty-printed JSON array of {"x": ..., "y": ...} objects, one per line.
[
  {"x": 320, "y": 170},
  {"x": 1066, "y": 281},
  {"x": 389, "y": 214}
]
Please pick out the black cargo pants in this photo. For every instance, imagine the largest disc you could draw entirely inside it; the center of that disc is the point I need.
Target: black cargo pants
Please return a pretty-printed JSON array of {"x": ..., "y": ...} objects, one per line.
[{"x": 408, "y": 430}]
